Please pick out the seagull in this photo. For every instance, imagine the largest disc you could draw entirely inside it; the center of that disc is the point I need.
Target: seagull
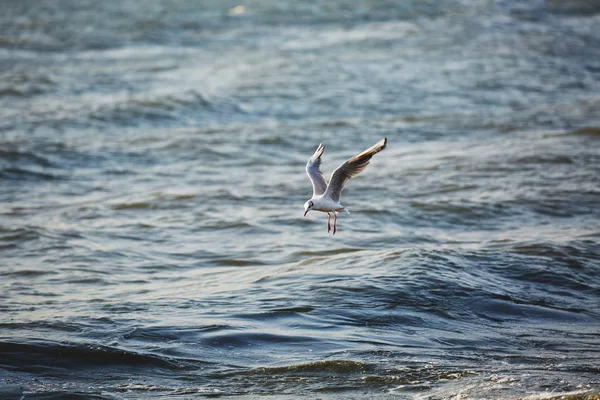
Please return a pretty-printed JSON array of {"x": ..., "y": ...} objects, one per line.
[{"x": 326, "y": 197}]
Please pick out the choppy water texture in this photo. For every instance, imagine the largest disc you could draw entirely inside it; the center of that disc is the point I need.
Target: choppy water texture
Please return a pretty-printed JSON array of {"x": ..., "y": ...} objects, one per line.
[{"x": 152, "y": 179}]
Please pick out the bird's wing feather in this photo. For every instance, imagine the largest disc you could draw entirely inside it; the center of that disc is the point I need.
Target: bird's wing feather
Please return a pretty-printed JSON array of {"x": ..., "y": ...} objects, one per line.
[
  {"x": 314, "y": 173},
  {"x": 351, "y": 168}
]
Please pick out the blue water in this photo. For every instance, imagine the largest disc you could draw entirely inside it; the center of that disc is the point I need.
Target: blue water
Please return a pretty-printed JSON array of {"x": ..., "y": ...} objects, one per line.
[{"x": 152, "y": 184}]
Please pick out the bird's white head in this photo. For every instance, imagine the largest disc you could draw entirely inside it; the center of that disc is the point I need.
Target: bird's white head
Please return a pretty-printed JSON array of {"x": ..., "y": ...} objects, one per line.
[{"x": 308, "y": 206}]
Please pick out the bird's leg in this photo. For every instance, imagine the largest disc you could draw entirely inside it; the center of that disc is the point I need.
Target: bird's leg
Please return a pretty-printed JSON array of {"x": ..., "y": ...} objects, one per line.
[
  {"x": 334, "y": 221},
  {"x": 328, "y": 223}
]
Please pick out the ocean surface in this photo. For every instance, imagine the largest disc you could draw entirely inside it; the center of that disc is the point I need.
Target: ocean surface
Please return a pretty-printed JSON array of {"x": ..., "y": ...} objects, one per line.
[{"x": 152, "y": 182}]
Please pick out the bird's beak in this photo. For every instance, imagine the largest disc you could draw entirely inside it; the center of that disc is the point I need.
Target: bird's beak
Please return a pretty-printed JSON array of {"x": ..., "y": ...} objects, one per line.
[{"x": 305, "y": 212}]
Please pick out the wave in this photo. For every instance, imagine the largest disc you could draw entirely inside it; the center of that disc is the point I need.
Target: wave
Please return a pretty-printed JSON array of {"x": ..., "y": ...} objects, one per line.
[
  {"x": 572, "y": 7},
  {"x": 24, "y": 83},
  {"x": 157, "y": 201},
  {"x": 27, "y": 272},
  {"x": 502, "y": 310},
  {"x": 168, "y": 333},
  {"x": 155, "y": 108},
  {"x": 241, "y": 340},
  {"x": 346, "y": 375},
  {"x": 18, "y": 235},
  {"x": 39, "y": 355},
  {"x": 324, "y": 366},
  {"x": 42, "y": 160},
  {"x": 27, "y": 157},
  {"x": 20, "y": 174},
  {"x": 322, "y": 253},
  {"x": 588, "y": 131},
  {"x": 54, "y": 395}
]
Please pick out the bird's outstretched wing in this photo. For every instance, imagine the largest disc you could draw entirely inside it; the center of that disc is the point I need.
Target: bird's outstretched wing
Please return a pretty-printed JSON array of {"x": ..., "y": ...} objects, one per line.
[
  {"x": 351, "y": 168},
  {"x": 314, "y": 173}
]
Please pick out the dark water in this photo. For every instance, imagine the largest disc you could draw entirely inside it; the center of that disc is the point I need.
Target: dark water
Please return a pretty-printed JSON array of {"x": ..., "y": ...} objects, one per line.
[{"x": 152, "y": 179}]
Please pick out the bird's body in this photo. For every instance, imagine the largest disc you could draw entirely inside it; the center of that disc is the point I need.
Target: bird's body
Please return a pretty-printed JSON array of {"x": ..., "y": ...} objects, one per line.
[
  {"x": 325, "y": 204},
  {"x": 326, "y": 197}
]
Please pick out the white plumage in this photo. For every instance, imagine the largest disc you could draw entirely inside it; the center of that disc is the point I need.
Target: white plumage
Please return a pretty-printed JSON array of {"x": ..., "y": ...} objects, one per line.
[{"x": 326, "y": 197}]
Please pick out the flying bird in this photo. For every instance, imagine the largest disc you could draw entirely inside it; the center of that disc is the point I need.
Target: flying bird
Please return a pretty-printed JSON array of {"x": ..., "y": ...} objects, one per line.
[{"x": 326, "y": 197}]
